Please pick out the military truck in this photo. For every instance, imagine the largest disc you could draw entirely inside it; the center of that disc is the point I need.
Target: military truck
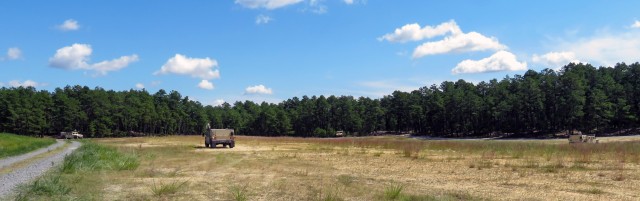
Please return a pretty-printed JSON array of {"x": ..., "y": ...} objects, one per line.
[
  {"x": 71, "y": 135},
  {"x": 578, "y": 137},
  {"x": 214, "y": 137}
]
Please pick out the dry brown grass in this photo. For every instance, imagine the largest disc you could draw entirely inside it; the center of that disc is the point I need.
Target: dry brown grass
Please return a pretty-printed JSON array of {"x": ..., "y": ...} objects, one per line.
[{"x": 282, "y": 168}]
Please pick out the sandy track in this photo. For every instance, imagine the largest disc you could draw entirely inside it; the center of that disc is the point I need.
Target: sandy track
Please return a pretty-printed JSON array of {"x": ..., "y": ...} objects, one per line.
[{"x": 9, "y": 181}]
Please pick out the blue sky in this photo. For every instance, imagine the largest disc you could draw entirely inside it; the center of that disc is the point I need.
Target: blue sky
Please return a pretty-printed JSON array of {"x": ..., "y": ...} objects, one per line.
[{"x": 272, "y": 50}]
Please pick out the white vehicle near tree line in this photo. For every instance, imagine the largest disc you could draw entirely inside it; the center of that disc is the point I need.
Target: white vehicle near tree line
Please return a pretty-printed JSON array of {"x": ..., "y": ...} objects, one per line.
[{"x": 71, "y": 135}]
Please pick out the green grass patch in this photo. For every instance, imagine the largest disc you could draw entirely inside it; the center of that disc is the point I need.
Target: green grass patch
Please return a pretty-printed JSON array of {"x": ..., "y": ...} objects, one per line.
[
  {"x": 168, "y": 188},
  {"x": 79, "y": 176},
  {"x": 396, "y": 193},
  {"x": 11, "y": 144},
  {"x": 238, "y": 193}
]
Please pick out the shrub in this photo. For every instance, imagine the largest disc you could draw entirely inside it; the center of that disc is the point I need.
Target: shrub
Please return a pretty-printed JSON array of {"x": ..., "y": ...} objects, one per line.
[{"x": 393, "y": 192}]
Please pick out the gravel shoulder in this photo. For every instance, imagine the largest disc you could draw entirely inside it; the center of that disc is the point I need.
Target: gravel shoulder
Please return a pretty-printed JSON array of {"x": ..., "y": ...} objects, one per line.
[
  {"x": 25, "y": 174},
  {"x": 6, "y": 162}
]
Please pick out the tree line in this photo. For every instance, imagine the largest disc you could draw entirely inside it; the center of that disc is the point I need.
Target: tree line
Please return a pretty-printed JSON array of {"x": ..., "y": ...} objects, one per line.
[{"x": 536, "y": 104}]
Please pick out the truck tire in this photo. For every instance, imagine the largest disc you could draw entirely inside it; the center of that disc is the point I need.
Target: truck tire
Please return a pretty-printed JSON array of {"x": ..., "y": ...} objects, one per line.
[
  {"x": 232, "y": 145},
  {"x": 206, "y": 145}
]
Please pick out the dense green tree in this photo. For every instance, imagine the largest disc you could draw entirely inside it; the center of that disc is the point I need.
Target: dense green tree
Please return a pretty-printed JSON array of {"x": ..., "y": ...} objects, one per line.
[{"x": 579, "y": 96}]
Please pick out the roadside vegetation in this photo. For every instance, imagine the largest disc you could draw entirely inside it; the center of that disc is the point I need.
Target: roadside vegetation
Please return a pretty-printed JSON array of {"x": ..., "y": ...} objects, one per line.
[
  {"x": 11, "y": 144},
  {"x": 81, "y": 175}
]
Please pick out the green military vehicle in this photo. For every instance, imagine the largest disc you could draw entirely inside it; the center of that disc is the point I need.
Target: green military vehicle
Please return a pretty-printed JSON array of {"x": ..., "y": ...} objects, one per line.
[{"x": 214, "y": 137}]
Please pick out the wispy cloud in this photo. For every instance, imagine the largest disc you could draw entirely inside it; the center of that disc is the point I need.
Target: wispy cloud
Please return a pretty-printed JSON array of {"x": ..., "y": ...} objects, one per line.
[
  {"x": 266, "y": 4},
  {"x": 635, "y": 24},
  {"x": 69, "y": 25},
  {"x": 77, "y": 56},
  {"x": 26, "y": 83},
  {"x": 380, "y": 88},
  {"x": 263, "y": 19},
  {"x": 14, "y": 53},
  {"x": 604, "y": 48},
  {"x": 555, "y": 59}
]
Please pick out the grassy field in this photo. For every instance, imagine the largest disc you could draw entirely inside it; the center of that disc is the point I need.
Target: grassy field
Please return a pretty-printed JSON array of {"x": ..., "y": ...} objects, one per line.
[
  {"x": 11, "y": 144},
  {"x": 374, "y": 168}
]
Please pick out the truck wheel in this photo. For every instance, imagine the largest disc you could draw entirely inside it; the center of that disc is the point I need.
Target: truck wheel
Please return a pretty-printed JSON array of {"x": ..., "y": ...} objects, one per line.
[
  {"x": 206, "y": 145},
  {"x": 232, "y": 145}
]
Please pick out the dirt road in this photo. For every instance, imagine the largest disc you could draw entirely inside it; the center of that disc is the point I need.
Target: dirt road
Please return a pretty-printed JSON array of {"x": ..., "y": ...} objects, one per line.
[{"x": 23, "y": 174}]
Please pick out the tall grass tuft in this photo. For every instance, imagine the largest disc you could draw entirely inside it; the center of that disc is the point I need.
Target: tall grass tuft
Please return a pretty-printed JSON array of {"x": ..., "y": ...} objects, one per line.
[
  {"x": 345, "y": 179},
  {"x": 168, "y": 188},
  {"x": 393, "y": 192},
  {"x": 91, "y": 156},
  {"x": 48, "y": 186},
  {"x": 238, "y": 193}
]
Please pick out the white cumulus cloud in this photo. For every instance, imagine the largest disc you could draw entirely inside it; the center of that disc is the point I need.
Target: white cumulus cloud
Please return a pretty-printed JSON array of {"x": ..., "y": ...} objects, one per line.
[
  {"x": 263, "y": 19},
  {"x": 218, "y": 102},
  {"x": 258, "y": 89},
  {"x": 466, "y": 42},
  {"x": 555, "y": 59},
  {"x": 69, "y": 25},
  {"x": 635, "y": 24},
  {"x": 195, "y": 67},
  {"x": 500, "y": 61},
  {"x": 455, "y": 39},
  {"x": 413, "y": 32},
  {"x": 139, "y": 86},
  {"x": 266, "y": 4},
  {"x": 14, "y": 53},
  {"x": 606, "y": 48},
  {"x": 205, "y": 84},
  {"x": 77, "y": 56},
  {"x": 26, "y": 83}
]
